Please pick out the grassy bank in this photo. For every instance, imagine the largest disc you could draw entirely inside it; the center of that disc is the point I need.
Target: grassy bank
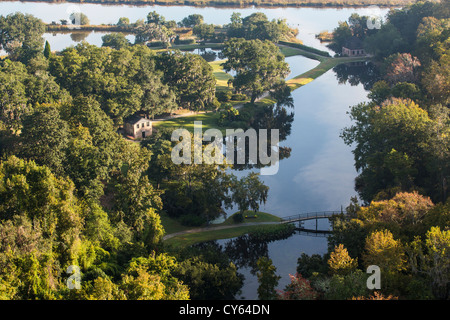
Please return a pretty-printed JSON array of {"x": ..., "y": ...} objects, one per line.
[
  {"x": 225, "y": 230},
  {"x": 209, "y": 121},
  {"x": 325, "y": 65},
  {"x": 221, "y": 76}
]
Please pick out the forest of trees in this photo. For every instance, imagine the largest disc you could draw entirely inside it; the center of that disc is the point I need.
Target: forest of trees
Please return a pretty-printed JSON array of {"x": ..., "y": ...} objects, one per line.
[{"x": 74, "y": 192}]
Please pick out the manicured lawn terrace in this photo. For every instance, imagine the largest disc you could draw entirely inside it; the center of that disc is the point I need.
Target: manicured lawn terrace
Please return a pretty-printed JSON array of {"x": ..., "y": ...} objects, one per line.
[
  {"x": 221, "y": 76},
  {"x": 209, "y": 121}
]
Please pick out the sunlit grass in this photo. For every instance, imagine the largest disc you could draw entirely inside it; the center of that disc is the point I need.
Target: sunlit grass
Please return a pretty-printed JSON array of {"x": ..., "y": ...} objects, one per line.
[
  {"x": 209, "y": 120},
  {"x": 221, "y": 76},
  {"x": 232, "y": 230},
  {"x": 325, "y": 65}
]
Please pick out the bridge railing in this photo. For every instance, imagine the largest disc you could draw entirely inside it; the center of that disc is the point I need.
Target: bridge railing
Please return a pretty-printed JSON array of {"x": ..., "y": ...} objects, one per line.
[{"x": 311, "y": 215}]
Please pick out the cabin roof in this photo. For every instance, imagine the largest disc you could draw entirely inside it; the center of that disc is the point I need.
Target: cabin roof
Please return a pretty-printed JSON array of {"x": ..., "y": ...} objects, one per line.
[
  {"x": 353, "y": 43},
  {"x": 134, "y": 119}
]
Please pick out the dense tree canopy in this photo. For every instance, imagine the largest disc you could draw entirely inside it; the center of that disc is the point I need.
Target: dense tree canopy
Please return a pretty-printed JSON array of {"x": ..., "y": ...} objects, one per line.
[
  {"x": 190, "y": 77},
  {"x": 124, "y": 81},
  {"x": 258, "y": 26},
  {"x": 259, "y": 65},
  {"x": 401, "y": 151},
  {"x": 73, "y": 192},
  {"x": 21, "y": 36}
]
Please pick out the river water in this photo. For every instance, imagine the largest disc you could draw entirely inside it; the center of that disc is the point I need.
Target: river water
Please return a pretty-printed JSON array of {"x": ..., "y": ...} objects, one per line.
[{"x": 319, "y": 174}]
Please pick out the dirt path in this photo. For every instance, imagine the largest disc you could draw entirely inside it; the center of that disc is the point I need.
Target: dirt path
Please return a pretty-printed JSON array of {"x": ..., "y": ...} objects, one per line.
[{"x": 213, "y": 228}]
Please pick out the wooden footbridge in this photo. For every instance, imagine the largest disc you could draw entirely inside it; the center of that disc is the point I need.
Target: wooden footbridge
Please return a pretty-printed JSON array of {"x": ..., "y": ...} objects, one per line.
[{"x": 300, "y": 218}]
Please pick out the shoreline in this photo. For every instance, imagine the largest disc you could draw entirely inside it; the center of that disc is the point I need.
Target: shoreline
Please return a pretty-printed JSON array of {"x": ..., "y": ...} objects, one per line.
[{"x": 237, "y": 4}]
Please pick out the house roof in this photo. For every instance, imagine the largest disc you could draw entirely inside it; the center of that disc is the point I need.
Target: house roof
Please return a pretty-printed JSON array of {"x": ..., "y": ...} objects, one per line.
[
  {"x": 134, "y": 119},
  {"x": 353, "y": 43}
]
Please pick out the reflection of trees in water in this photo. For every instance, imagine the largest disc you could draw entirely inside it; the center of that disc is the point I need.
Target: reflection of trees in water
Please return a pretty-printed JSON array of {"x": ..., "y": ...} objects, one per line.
[
  {"x": 274, "y": 117},
  {"x": 244, "y": 251},
  {"x": 209, "y": 251},
  {"x": 208, "y": 55},
  {"x": 79, "y": 36},
  {"x": 267, "y": 117},
  {"x": 355, "y": 73}
]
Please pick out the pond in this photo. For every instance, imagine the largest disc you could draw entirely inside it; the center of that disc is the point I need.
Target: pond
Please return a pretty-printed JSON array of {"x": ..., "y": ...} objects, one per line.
[{"x": 319, "y": 173}]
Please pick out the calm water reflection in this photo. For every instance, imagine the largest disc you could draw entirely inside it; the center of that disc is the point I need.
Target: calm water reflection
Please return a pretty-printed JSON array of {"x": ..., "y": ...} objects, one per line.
[{"x": 318, "y": 176}]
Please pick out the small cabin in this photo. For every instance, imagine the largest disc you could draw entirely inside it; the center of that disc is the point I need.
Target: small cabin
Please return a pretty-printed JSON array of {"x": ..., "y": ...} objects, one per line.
[
  {"x": 353, "y": 48},
  {"x": 138, "y": 127}
]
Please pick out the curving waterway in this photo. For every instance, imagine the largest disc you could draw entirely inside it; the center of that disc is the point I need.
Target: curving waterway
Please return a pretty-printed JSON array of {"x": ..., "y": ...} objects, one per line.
[{"x": 319, "y": 174}]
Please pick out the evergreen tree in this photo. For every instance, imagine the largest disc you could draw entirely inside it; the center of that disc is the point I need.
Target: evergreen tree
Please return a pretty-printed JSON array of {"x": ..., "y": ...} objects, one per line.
[{"x": 47, "y": 51}]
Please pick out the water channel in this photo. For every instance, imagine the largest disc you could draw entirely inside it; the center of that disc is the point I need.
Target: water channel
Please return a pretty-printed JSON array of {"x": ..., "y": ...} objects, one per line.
[{"x": 319, "y": 174}]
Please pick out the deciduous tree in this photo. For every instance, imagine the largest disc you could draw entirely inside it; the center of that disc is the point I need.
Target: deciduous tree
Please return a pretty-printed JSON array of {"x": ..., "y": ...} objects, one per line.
[{"x": 259, "y": 65}]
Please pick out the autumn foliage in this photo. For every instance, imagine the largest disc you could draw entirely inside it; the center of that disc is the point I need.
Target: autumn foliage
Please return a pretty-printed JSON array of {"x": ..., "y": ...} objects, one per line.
[{"x": 299, "y": 289}]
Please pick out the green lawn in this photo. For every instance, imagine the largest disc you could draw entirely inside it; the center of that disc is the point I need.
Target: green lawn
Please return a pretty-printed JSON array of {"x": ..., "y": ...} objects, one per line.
[
  {"x": 253, "y": 217},
  {"x": 209, "y": 121},
  {"x": 325, "y": 65},
  {"x": 221, "y": 76},
  {"x": 193, "y": 238},
  {"x": 184, "y": 240}
]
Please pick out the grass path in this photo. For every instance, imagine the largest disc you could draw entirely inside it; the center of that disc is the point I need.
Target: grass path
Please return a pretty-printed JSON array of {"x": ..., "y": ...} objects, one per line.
[
  {"x": 325, "y": 65},
  {"x": 181, "y": 236},
  {"x": 221, "y": 76}
]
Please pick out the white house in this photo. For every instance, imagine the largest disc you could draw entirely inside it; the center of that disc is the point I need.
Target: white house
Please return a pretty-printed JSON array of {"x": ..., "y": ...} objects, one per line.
[{"x": 138, "y": 127}]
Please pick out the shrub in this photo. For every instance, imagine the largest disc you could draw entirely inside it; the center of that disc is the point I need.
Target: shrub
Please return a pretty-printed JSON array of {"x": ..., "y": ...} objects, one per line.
[
  {"x": 273, "y": 232},
  {"x": 184, "y": 41},
  {"x": 223, "y": 96},
  {"x": 192, "y": 220},
  {"x": 238, "y": 97},
  {"x": 238, "y": 217}
]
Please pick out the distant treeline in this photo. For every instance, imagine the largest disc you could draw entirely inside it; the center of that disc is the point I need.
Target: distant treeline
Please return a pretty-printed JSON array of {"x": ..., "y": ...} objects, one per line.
[
  {"x": 106, "y": 28},
  {"x": 247, "y": 3}
]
